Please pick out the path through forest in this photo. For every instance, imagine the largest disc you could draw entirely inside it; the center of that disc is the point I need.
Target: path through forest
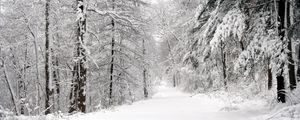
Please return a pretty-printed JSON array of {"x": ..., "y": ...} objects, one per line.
[{"x": 171, "y": 104}]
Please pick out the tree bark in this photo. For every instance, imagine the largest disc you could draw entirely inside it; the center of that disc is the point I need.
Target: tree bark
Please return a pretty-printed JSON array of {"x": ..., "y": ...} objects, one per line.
[
  {"x": 37, "y": 82},
  {"x": 223, "y": 60},
  {"x": 56, "y": 80},
  {"x": 21, "y": 82},
  {"x": 78, "y": 94},
  {"x": 279, "y": 76},
  {"x": 172, "y": 64},
  {"x": 56, "y": 71},
  {"x": 298, "y": 70},
  {"x": 291, "y": 64},
  {"x": 112, "y": 58},
  {"x": 270, "y": 77},
  {"x": 145, "y": 72},
  {"x": 48, "y": 82},
  {"x": 297, "y": 17}
]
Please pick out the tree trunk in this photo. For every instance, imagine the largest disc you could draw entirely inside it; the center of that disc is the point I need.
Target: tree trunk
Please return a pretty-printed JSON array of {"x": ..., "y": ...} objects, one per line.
[
  {"x": 56, "y": 72},
  {"x": 297, "y": 17},
  {"x": 112, "y": 58},
  {"x": 298, "y": 70},
  {"x": 291, "y": 64},
  {"x": 78, "y": 94},
  {"x": 145, "y": 71},
  {"x": 37, "y": 82},
  {"x": 47, "y": 62},
  {"x": 56, "y": 80},
  {"x": 223, "y": 60},
  {"x": 172, "y": 64},
  {"x": 21, "y": 83},
  {"x": 12, "y": 93},
  {"x": 145, "y": 83},
  {"x": 121, "y": 75},
  {"x": 270, "y": 77},
  {"x": 112, "y": 68},
  {"x": 280, "y": 89},
  {"x": 279, "y": 76}
]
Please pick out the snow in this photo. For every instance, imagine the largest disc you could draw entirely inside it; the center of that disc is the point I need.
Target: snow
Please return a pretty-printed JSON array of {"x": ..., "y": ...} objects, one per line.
[
  {"x": 233, "y": 23},
  {"x": 171, "y": 104},
  {"x": 286, "y": 113}
]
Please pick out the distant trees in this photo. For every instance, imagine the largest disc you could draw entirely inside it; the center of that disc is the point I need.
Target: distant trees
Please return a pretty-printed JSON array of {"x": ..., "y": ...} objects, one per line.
[{"x": 124, "y": 55}]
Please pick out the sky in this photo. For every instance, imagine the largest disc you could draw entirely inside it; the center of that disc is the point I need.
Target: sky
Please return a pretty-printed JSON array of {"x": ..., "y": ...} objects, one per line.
[{"x": 156, "y": 1}]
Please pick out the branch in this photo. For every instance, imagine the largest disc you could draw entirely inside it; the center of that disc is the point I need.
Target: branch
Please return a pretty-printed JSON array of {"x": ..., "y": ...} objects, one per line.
[
  {"x": 111, "y": 14},
  {"x": 114, "y": 16}
]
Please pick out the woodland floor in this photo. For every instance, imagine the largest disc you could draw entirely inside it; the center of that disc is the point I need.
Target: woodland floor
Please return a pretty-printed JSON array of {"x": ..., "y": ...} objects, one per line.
[{"x": 171, "y": 104}]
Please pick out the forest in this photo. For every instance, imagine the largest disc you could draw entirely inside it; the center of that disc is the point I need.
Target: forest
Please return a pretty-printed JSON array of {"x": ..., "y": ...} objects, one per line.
[{"x": 149, "y": 59}]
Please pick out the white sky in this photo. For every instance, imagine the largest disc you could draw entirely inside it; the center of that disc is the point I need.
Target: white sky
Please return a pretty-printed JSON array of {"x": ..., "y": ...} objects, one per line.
[{"x": 156, "y": 1}]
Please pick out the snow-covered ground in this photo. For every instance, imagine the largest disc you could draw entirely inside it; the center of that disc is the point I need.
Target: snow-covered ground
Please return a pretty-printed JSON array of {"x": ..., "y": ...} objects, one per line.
[{"x": 172, "y": 104}]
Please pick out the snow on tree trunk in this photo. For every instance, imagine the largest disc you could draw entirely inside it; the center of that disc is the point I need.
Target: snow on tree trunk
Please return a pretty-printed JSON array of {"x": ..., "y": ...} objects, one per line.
[
  {"x": 37, "y": 80},
  {"x": 56, "y": 81},
  {"x": 21, "y": 82},
  {"x": 78, "y": 95},
  {"x": 223, "y": 61}
]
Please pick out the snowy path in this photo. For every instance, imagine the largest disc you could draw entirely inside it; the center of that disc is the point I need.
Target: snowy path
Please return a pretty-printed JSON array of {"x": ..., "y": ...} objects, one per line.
[{"x": 171, "y": 104}]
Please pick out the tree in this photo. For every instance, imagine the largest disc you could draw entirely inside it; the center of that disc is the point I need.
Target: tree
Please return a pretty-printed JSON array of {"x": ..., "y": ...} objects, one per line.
[
  {"x": 297, "y": 35},
  {"x": 282, "y": 10},
  {"x": 291, "y": 64},
  {"x": 78, "y": 94},
  {"x": 38, "y": 36},
  {"x": 9, "y": 85},
  {"x": 22, "y": 82},
  {"x": 112, "y": 57},
  {"x": 49, "y": 88},
  {"x": 145, "y": 85}
]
